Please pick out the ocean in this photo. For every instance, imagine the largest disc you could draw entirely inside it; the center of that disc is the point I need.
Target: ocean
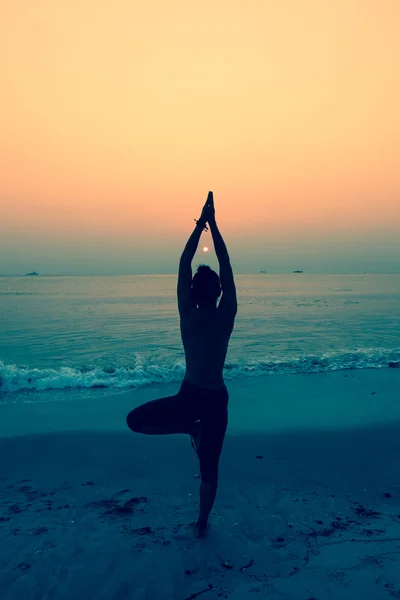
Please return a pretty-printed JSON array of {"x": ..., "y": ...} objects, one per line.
[{"x": 121, "y": 332}]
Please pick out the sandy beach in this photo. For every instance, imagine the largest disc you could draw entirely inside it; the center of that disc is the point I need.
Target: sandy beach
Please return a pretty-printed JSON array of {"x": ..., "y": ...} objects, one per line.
[{"x": 308, "y": 505}]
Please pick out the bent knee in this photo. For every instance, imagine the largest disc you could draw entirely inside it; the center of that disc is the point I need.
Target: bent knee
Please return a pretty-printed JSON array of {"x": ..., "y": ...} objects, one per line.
[{"x": 133, "y": 421}]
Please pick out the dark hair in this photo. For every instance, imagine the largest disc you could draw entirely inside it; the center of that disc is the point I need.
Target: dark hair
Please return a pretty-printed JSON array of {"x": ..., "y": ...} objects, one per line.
[{"x": 206, "y": 287}]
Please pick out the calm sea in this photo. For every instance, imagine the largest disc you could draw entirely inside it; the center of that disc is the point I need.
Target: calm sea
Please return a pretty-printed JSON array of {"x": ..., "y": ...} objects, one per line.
[{"x": 123, "y": 331}]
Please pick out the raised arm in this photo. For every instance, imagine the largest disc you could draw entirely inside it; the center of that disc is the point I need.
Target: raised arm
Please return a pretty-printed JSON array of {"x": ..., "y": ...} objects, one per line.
[
  {"x": 228, "y": 302},
  {"x": 185, "y": 300}
]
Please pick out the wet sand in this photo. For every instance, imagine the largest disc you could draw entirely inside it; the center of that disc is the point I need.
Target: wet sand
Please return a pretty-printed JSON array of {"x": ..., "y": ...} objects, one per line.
[{"x": 308, "y": 503}]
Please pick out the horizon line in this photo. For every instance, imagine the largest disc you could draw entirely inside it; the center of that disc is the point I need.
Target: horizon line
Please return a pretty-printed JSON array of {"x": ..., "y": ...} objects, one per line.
[{"x": 176, "y": 273}]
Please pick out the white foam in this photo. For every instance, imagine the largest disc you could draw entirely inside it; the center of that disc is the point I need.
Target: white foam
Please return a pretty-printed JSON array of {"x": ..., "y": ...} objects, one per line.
[{"x": 14, "y": 378}]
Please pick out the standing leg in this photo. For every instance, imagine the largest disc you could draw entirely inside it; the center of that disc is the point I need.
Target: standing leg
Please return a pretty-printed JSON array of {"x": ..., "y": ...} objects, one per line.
[{"x": 214, "y": 424}]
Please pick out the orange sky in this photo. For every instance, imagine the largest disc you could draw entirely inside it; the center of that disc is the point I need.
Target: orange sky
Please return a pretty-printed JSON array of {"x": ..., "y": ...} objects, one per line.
[{"x": 116, "y": 119}]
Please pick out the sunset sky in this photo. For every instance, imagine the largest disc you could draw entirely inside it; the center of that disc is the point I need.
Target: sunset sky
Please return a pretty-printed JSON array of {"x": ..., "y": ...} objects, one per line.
[{"x": 117, "y": 117}]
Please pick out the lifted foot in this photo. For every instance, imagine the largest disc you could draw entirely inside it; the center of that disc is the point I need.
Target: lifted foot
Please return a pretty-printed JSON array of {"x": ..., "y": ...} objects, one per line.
[{"x": 195, "y": 436}]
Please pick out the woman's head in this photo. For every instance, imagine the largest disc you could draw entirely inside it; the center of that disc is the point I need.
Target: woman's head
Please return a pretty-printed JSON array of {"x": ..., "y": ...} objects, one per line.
[{"x": 206, "y": 287}]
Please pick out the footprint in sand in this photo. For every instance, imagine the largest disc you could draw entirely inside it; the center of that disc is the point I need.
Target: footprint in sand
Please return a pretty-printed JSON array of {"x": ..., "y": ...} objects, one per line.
[
  {"x": 388, "y": 585},
  {"x": 15, "y": 509},
  {"x": 40, "y": 530},
  {"x": 113, "y": 507}
]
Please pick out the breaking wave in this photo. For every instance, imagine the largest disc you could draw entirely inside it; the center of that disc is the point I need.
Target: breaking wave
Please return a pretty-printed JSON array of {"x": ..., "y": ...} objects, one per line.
[{"x": 15, "y": 378}]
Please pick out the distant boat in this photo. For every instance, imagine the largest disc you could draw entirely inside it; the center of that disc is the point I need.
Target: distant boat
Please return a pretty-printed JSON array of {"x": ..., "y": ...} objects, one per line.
[
  {"x": 33, "y": 273},
  {"x": 263, "y": 271},
  {"x": 297, "y": 271}
]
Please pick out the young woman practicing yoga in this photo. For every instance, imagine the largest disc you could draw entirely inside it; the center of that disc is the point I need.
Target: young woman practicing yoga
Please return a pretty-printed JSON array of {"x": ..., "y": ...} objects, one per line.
[{"x": 200, "y": 408}]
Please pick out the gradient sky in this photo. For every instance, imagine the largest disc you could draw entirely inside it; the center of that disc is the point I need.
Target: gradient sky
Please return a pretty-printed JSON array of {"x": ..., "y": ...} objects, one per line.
[{"x": 117, "y": 117}]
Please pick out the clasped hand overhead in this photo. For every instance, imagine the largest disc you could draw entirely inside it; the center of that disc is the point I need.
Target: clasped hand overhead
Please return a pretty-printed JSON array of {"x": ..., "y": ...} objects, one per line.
[{"x": 208, "y": 212}]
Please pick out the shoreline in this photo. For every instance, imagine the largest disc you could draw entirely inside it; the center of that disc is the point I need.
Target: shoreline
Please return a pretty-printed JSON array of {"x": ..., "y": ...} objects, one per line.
[{"x": 273, "y": 402}]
